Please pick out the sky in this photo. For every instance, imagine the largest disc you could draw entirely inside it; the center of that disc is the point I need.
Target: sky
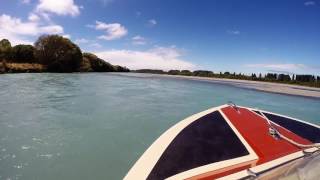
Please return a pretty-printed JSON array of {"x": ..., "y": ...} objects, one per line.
[{"x": 243, "y": 36}]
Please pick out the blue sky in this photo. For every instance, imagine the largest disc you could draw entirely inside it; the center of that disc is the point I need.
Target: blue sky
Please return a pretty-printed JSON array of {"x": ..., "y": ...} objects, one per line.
[{"x": 219, "y": 35}]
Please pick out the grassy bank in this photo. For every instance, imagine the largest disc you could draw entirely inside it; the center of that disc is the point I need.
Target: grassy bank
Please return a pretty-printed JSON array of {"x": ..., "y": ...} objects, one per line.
[{"x": 21, "y": 67}]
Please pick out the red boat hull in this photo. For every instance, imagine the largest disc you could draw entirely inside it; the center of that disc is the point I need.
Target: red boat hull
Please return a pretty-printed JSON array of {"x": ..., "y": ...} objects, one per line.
[{"x": 225, "y": 142}]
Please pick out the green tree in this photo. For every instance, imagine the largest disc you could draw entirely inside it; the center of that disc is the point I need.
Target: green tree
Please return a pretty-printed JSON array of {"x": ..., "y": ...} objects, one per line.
[
  {"x": 58, "y": 53},
  {"x": 5, "y": 49},
  {"x": 186, "y": 73},
  {"x": 85, "y": 65},
  {"x": 284, "y": 77},
  {"x": 23, "y": 54},
  {"x": 271, "y": 76},
  {"x": 203, "y": 73},
  {"x": 97, "y": 64},
  {"x": 253, "y": 76},
  {"x": 120, "y": 69},
  {"x": 174, "y": 72},
  {"x": 226, "y": 73}
]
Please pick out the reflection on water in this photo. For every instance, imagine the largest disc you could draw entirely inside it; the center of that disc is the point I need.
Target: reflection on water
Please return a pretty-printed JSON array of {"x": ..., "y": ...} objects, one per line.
[{"x": 96, "y": 125}]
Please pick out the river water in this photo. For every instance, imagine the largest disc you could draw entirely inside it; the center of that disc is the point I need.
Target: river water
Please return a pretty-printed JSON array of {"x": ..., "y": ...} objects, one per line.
[{"x": 96, "y": 125}]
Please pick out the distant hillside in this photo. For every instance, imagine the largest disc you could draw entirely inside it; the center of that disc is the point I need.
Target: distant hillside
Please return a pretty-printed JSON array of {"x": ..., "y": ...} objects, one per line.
[{"x": 51, "y": 53}]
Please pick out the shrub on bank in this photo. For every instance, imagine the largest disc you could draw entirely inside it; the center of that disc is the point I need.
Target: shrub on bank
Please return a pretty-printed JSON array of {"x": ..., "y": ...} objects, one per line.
[
  {"x": 59, "y": 54},
  {"x": 3, "y": 67},
  {"x": 97, "y": 64},
  {"x": 23, "y": 54},
  {"x": 52, "y": 53},
  {"x": 174, "y": 72},
  {"x": 5, "y": 49},
  {"x": 85, "y": 65},
  {"x": 120, "y": 69},
  {"x": 186, "y": 73}
]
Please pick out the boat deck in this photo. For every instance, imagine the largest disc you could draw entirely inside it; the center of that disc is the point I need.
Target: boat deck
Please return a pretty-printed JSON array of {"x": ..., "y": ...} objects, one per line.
[{"x": 224, "y": 142}]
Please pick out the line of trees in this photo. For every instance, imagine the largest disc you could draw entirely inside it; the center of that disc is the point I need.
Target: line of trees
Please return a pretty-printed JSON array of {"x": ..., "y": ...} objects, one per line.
[
  {"x": 307, "y": 80},
  {"x": 56, "y": 54}
]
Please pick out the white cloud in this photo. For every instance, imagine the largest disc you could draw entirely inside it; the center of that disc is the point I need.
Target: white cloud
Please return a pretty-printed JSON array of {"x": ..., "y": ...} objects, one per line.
[
  {"x": 45, "y": 16},
  {"x": 33, "y": 17},
  {"x": 81, "y": 41},
  {"x": 14, "y": 39},
  {"x": 25, "y": 1},
  {"x": 95, "y": 45},
  {"x": 59, "y": 7},
  {"x": 16, "y": 26},
  {"x": 138, "y": 40},
  {"x": 278, "y": 66},
  {"x": 233, "y": 32},
  {"x": 152, "y": 22},
  {"x": 88, "y": 44},
  {"x": 18, "y": 31},
  {"x": 50, "y": 29},
  {"x": 165, "y": 58},
  {"x": 113, "y": 31},
  {"x": 310, "y": 3},
  {"x": 66, "y": 36}
]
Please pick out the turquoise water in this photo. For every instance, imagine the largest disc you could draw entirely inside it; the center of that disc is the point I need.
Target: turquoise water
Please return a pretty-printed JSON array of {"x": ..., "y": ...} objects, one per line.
[{"x": 95, "y": 126}]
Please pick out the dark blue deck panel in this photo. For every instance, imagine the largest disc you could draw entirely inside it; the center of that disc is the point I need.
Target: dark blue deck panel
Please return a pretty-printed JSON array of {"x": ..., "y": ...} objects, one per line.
[
  {"x": 258, "y": 112},
  {"x": 304, "y": 130},
  {"x": 207, "y": 140}
]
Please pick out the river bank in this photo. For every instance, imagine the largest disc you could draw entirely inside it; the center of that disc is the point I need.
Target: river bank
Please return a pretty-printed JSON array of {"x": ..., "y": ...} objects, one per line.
[{"x": 287, "y": 89}]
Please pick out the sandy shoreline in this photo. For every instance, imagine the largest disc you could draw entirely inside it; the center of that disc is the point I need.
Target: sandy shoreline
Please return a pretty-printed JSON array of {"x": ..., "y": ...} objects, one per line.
[{"x": 287, "y": 89}]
